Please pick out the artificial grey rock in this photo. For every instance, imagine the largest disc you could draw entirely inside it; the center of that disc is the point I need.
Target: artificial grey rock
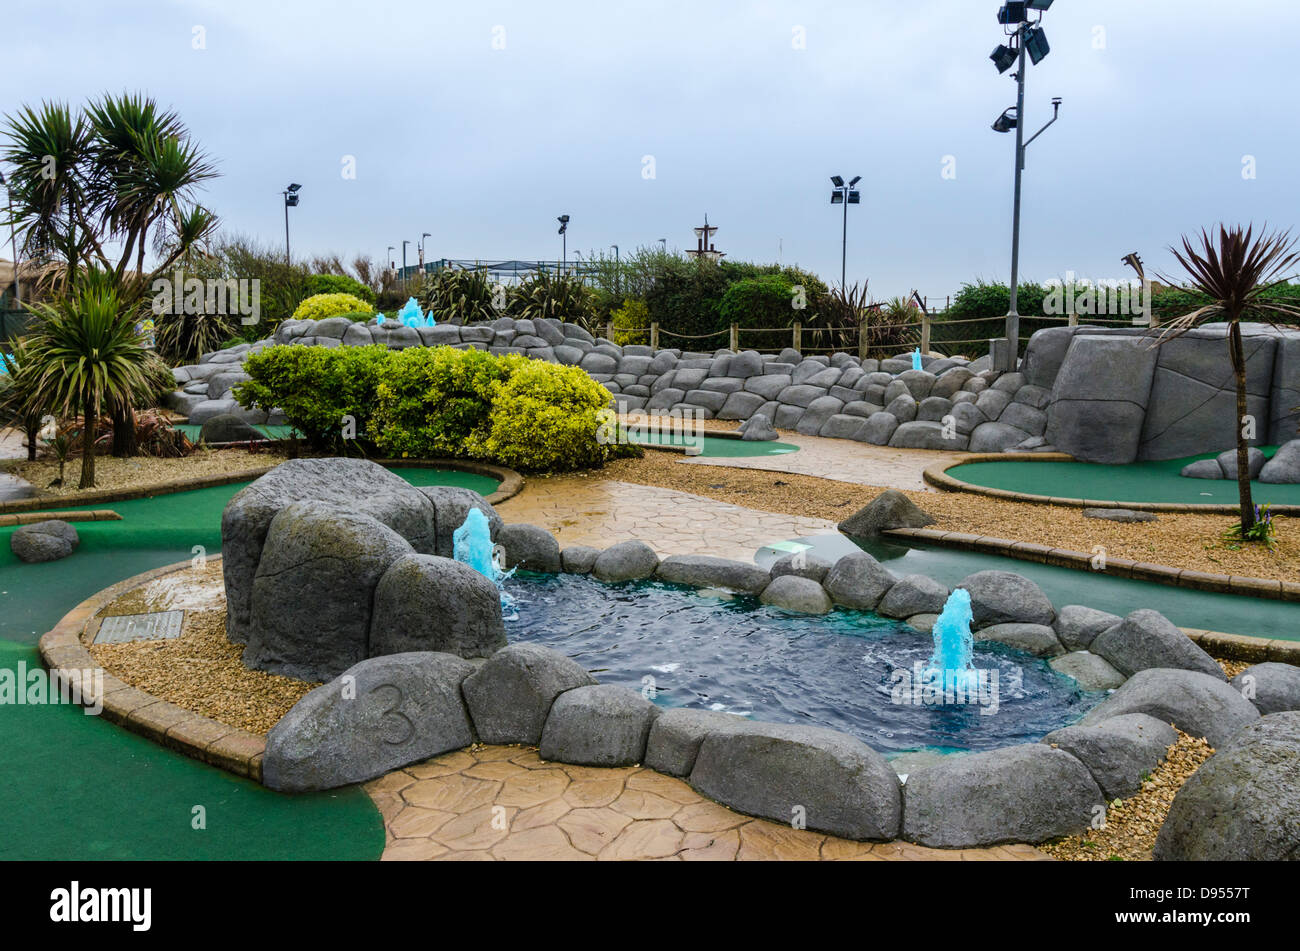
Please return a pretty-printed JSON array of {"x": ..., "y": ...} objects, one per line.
[
  {"x": 430, "y": 603},
  {"x": 890, "y": 509},
  {"x": 880, "y": 428},
  {"x": 1090, "y": 671},
  {"x": 390, "y": 711},
  {"x": 1272, "y": 687},
  {"x": 842, "y": 426},
  {"x": 1028, "y": 793},
  {"x": 802, "y": 565},
  {"x": 676, "y": 735},
  {"x": 510, "y": 696},
  {"x": 1077, "y": 626},
  {"x": 835, "y": 782},
  {"x": 1003, "y": 597},
  {"x": 796, "y": 594},
  {"x": 817, "y": 413},
  {"x": 758, "y": 428},
  {"x": 626, "y": 561},
  {"x": 1119, "y": 515},
  {"x": 924, "y": 435},
  {"x": 996, "y": 437},
  {"x": 1243, "y": 804},
  {"x": 1146, "y": 639},
  {"x": 229, "y": 428},
  {"x": 530, "y": 547},
  {"x": 343, "y": 485},
  {"x": 912, "y": 595},
  {"x": 1202, "y": 469},
  {"x": 1037, "y": 639},
  {"x": 578, "y": 559},
  {"x": 1100, "y": 397},
  {"x": 1284, "y": 467},
  {"x": 858, "y": 582},
  {"x": 600, "y": 725},
  {"x": 741, "y": 406},
  {"x": 49, "y": 540},
  {"x": 902, "y": 408},
  {"x": 1196, "y": 703},
  {"x": 313, "y": 592},
  {"x": 1254, "y": 460},
  {"x": 1118, "y": 752},
  {"x": 708, "y": 571}
]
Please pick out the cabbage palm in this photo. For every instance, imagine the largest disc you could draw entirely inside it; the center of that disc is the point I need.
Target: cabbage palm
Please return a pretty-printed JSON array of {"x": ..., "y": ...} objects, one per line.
[
  {"x": 85, "y": 356},
  {"x": 1236, "y": 272}
]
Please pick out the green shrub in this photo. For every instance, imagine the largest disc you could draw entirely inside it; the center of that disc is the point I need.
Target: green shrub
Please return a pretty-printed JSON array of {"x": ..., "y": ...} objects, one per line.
[
  {"x": 436, "y": 401},
  {"x": 630, "y": 322},
  {"x": 454, "y": 296},
  {"x": 321, "y": 306},
  {"x": 563, "y": 296},
  {"x": 339, "y": 284},
  {"x": 317, "y": 387}
]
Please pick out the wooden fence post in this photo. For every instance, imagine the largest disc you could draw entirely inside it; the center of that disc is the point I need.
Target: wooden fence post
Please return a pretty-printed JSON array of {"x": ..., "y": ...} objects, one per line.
[
  {"x": 925, "y": 332},
  {"x": 862, "y": 338},
  {"x": 654, "y": 335},
  {"x": 609, "y": 330},
  {"x": 735, "y": 337},
  {"x": 797, "y": 342}
]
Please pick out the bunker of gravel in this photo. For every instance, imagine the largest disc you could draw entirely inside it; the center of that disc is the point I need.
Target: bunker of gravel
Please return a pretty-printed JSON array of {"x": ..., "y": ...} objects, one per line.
[{"x": 849, "y": 671}]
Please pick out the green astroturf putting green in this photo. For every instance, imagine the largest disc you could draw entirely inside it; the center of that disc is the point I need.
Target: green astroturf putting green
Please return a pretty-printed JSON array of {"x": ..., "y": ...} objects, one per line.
[
  {"x": 715, "y": 447},
  {"x": 1135, "y": 482},
  {"x": 77, "y": 787}
]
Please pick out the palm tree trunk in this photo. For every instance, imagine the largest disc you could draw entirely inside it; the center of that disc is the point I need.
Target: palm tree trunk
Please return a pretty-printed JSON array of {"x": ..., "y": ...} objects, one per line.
[
  {"x": 124, "y": 441},
  {"x": 33, "y": 433},
  {"x": 1243, "y": 445},
  {"x": 88, "y": 446}
]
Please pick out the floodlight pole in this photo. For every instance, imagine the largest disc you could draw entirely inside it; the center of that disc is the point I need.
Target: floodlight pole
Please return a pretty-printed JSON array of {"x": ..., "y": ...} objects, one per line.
[
  {"x": 844, "y": 239},
  {"x": 287, "y": 258},
  {"x": 1012, "y": 353}
]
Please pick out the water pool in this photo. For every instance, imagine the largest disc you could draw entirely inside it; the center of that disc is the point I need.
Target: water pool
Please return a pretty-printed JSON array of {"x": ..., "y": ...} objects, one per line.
[{"x": 846, "y": 670}]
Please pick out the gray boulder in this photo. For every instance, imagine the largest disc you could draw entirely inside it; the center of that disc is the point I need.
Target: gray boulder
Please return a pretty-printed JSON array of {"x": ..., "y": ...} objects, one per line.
[
  {"x": 801, "y": 595},
  {"x": 313, "y": 593},
  {"x": 835, "y": 783},
  {"x": 1003, "y": 597},
  {"x": 1090, "y": 671},
  {"x": 578, "y": 559},
  {"x": 1202, "y": 469},
  {"x": 903, "y": 408},
  {"x": 1037, "y": 639},
  {"x": 1284, "y": 467},
  {"x": 858, "y": 582},
  {"x": 914, "y": 594},
  {"x": 510, "y": 696},
  {"x": 1118, "y": 752},
  {"x": 626, "y": 561},
  {"x": 1254, "y": 460},
  {"x": 923, "y": 435},
  {"x": 802, "y": 565},
  {"x": 344, "y": 486},
  {"x": 996, "y": 437},
  {"x": 1100, "y": 397},
  {"x": 1027, "y": 793},
  {"x": 229, "y": 428},
  {"x": 707, "y": 571},
  {"x": 879, "y": 429},
  {"x": 1196, "y": 703},
  {"x": 1243, "y": 804},
  {"x": 1119, "y": 515},
  {"x": 676, "y": 735},
  {"x": 1078, "y": 626},
  {"x": 530, "y": 547},
  {"x": 1148, "y": 639},
  {"x": 600, "y": 725},
  {"x": 1271, "y": 687},
  {"x": 429, "y": 603},
  {"x": 44, "y": 541},
  {"x": 451, "y": 506},
  {"x": 890, "y": 509},
  {"x": 382, "y": 714}
]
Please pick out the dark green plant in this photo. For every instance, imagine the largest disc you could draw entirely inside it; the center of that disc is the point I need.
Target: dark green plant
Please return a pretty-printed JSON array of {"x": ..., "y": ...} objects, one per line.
[
  {"x": 60, "y": 447},
  {"x": 18, "y": 404},
  {"x": 459, "y": 297},
  {"x": 562, "y": 296}
]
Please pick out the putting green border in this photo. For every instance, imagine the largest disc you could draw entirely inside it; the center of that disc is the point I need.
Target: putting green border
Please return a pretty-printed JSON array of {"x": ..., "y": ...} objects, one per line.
[
  {"x": 512, "y": 484},
  {"x": 63, "y": 649},
  {"x": 937, "y": 476}
]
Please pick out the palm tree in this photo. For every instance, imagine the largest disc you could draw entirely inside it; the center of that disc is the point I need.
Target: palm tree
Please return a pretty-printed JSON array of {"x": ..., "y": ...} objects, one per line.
[
  {"x": 85, "y": 356},
  {"x": 1236, "y": 273}
]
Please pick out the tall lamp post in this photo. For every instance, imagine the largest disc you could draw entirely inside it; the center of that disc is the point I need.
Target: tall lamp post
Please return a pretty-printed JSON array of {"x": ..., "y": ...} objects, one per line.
[
  {"x": 290, "y": 201},
  {"x": 1026, "y": 40},
  {"x": 404, "y": 244},
  {"x": 392, "y": 265},
  {"x": 423, "y": 235},
  {"x": 618, "y": 267},
  {"x": 845, "y": 195},
  {"x": 564, "y": 242}
]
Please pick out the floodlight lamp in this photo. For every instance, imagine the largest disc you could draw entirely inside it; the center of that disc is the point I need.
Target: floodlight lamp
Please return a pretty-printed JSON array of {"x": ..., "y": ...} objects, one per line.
[
  {"x": 837, "y": 181},
  {"x": 1004, "y": 57},
  {"x": 855, "y": 198},
  {"x": 1012, "y": 12},
  {"x": 294, "y": 187},
  {"x": 1007, "y": 121},
  {"x": 855, "y": 180},
  {"x": 837, "y": 198},
  {"x": 1036, "y": 44},
  {"x": 291, "y": 201},
  {"x": 1040, "y": 4}
]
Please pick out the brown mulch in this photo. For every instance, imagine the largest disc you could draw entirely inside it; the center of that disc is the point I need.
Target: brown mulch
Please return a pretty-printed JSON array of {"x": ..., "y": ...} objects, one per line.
[{"x": 137, "y": 471}]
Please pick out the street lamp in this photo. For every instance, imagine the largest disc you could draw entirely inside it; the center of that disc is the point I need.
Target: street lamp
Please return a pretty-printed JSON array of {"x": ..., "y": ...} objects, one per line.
[
  {"x": 392, "y": 265},
  {"x": 564, "y": 242},
  {"x": 290, "y": 201},
  {"x": 617, "y": 268},
  {"x": 845, "y": 195},
  {"x": 1026, "y": 41},
  {"x": 423, "y": 235},
  {"x": 404, "y": 244}
]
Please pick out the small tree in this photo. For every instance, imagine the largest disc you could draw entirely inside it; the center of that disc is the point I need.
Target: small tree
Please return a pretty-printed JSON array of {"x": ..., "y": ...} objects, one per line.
[{"x": 1237, "y": 273}]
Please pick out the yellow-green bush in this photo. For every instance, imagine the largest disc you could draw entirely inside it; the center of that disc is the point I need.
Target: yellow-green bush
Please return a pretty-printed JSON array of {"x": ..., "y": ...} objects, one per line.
[
  {"x": 630, "y": 322},
  {"x": 320, "y": 306}
]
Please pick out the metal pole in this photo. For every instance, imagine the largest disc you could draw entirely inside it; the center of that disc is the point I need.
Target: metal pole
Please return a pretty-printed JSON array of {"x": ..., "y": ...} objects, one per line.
[
  {"x": 844, "y": 238},
  {"x": 1013, "y": 315},
  {"x": 286, "y": 228}
]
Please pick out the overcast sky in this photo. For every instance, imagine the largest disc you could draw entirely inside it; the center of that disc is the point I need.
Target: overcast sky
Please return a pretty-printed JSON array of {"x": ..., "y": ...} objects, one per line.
[{"x": 745, "y": 108}]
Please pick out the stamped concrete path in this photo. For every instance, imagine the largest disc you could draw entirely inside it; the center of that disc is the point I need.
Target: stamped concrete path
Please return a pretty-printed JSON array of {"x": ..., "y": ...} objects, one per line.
[{"x": 495, "y": 803}]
